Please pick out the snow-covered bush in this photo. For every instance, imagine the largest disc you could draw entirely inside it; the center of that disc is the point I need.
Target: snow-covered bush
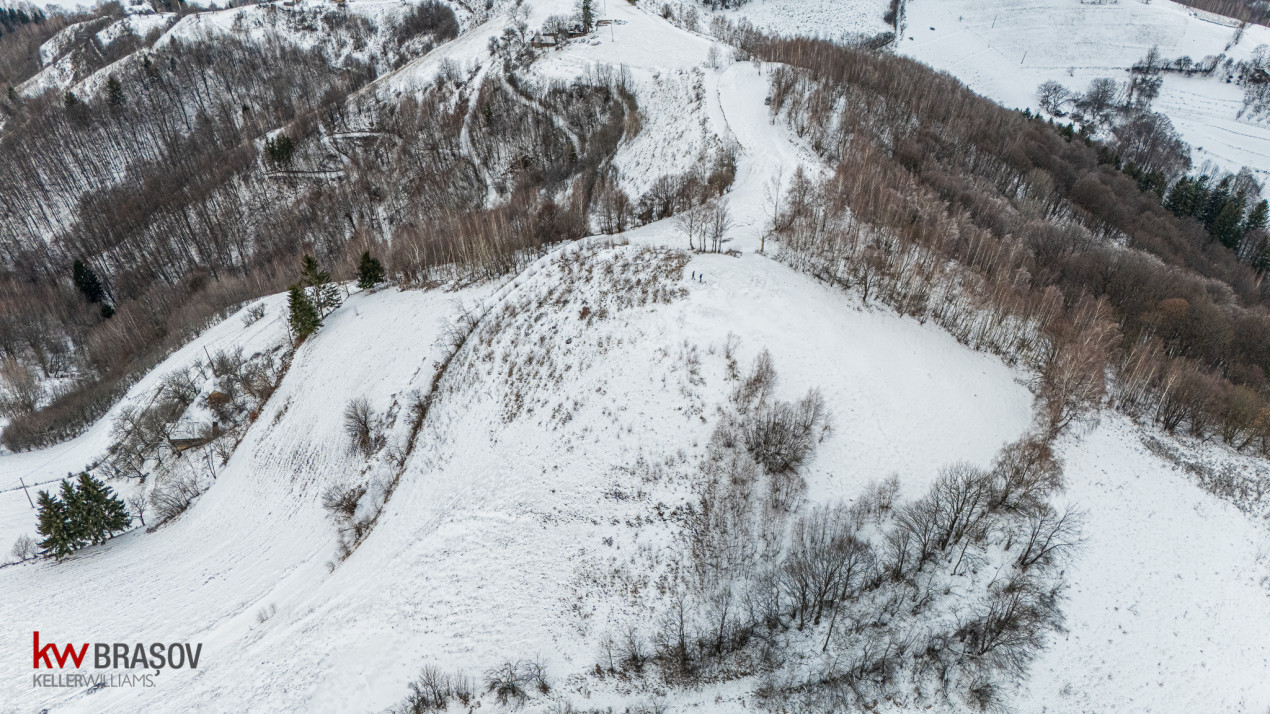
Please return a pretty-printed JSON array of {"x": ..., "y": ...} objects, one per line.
[
  {"x": 24, "y": 548},
  {"x": 174, "y": 495}
]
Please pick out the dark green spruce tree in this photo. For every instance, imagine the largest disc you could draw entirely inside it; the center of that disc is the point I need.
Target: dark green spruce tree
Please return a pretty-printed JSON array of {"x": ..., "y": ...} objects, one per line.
[
  {"x": 73, "y": 505},
  {"x": 370, "y": 272},
  {"x": 279, "y": 150},
  {"x": 102, "y": 513},
  {"x": 1257, "y": 217},
  {"x": 114, "y": 92},
  {"x": 86, "y": 280},
  {"x": 53, "y": 522},
  {"x": 324, "y": 294},
  {"x": 304, "y": 316}
]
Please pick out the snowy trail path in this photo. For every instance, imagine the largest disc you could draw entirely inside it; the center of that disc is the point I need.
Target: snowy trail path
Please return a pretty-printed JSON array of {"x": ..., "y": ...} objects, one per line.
[
  {"x": 768, "y": 150},
  {"x": 465, "y": 138}
]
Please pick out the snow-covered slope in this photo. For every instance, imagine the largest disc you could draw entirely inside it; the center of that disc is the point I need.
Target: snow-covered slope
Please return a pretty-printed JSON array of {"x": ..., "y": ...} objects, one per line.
[
  {"x": 1005, "y": 49},
  {"x": 834, "y": 20},
  {"x": 494, "y": 515},
  {"x": 1169, "y": 608}
]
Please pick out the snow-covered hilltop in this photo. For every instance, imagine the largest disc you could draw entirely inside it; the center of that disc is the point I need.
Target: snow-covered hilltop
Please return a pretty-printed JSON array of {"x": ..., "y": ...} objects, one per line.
[{"x": 703, "y": 370}]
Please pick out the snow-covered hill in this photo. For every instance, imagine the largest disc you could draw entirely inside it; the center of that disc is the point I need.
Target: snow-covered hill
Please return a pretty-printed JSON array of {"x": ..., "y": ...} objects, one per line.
[
  {"x": 557, "y": 441},
  {"x": 509, "y": 498}
]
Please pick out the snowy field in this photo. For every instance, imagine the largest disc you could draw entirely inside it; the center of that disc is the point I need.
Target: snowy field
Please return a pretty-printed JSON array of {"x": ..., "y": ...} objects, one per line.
[
  {"x": 482, "y": 550},
  {"x": 520, "y": 491},
  {"x": 1004, "y": 49},
  {"x": 1169, "y": 609},
  {"x": 836, "y": 20}
]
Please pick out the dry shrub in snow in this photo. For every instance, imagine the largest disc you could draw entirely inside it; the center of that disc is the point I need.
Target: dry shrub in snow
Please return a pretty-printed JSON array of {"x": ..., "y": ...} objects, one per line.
[
  {"x": 781, "y": 436},
  {"x": 431, "y": 691},
  {"x": 341, "y": 500},
  {"x": 173, "y": 496},
  {"x": 253, "y": 314},
  {"x": 512, "y": 682}
]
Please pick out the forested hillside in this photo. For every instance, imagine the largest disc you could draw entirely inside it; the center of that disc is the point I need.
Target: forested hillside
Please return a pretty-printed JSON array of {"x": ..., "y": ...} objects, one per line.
[
  {"x": 645, "y": 356},
  {"x": 191, "y": 170}
]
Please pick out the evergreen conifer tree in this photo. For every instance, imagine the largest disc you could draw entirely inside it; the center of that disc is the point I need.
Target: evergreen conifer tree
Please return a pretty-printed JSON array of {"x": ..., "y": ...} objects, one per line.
[
  {"x": 1257, "y": 217},
  {"x": 1188, "y": 197},
  {"x": 56, "y": 543},
  {"x": 311, "y": 274},
  {"x": 370, "y": 272},
  {"x": 304, "y": 316},
  {"x": 328, "y": 298},
  {"x": 1216, "y": 202},
  {"x": 279, "y": 150},
  {"x": 86, "y": 280},
  {"x": 75, "y": 515},
  {"x": 1227, "y": 227},
  {"x": 102, "y": 512},
  {"x": 324, "y": 295},
  {"x": 114, "y": 92}
]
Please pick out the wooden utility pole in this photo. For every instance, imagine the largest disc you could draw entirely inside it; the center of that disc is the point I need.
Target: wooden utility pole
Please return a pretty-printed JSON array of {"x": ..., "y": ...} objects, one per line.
[{"x": 28, "y": 493}]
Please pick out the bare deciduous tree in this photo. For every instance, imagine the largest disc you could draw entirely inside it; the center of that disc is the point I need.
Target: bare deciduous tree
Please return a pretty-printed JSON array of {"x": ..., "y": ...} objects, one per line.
[
  {"x": 718, "y": 222},
  {"x": 22, "y": 390},
  {"x": 1048, "y": 535},
  {"x": 362, "y": 426},
  {"x": 137, "y": 502},
  {"x": 1052, "y": 96},
  {"x": 691, "y": 223},
  {"x": 25, "y": 548}
]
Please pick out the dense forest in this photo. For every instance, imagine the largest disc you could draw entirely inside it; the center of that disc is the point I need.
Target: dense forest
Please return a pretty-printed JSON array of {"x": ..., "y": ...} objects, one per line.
[{"x": 1242, "y": 10}]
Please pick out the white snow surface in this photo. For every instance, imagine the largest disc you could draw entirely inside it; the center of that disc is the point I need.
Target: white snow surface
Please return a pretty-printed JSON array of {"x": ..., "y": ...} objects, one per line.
[
  {"x": 834, "y": 20},
  {"x": 138, "y": 24},
  {"x": 1005, "y": 49},
  {"x": 1169, "y": 607}
]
